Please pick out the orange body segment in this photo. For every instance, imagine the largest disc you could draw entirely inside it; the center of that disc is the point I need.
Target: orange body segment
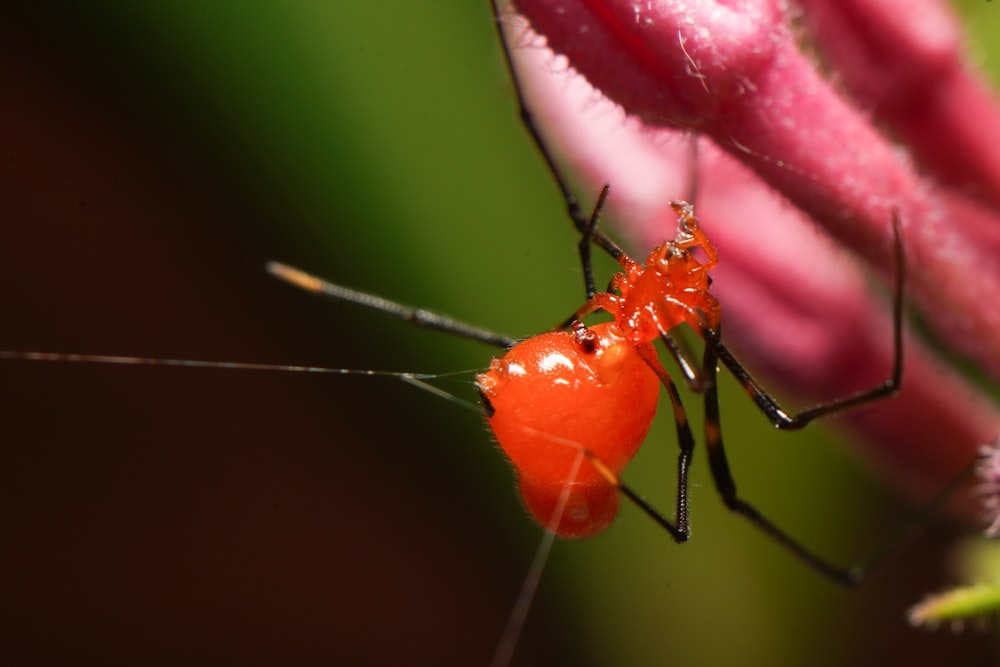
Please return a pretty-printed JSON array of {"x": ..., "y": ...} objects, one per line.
[
  {"x": 671, "y": 288},
  {"x": 560, "y": 397}
]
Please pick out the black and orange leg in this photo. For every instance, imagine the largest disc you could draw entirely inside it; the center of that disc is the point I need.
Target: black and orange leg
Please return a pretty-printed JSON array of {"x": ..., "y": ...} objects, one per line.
[
  {"x": 576, "y": 214},
  {"x": 685, "y": 440},
  {"x": 726, "y": 486},
  {"x": 770, "y": 406}
]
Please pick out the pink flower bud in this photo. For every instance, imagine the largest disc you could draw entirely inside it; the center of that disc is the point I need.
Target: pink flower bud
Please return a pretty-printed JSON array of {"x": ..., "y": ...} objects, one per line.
[{"x": 795, "y": 306}]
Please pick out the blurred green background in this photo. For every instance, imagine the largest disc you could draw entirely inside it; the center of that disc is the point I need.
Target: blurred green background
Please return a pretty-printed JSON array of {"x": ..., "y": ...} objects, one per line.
[{"x": 155, "y": 155}]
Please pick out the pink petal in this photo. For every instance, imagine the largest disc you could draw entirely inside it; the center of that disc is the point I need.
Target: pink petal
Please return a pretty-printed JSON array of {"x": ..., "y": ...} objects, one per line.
[
  {"x": 908, "y": 68},
  {"x": 733, "y": 71}
]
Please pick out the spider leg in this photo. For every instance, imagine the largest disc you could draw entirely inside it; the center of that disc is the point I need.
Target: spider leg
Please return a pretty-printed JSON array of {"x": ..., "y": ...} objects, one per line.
[
  {"x": 770, "y": 406},
  {"x": 726, "y": 486},
  {"x": 685, "y": 440}
]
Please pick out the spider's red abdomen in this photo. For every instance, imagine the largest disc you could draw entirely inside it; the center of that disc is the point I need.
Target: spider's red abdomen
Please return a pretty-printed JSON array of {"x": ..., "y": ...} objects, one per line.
[{"x": 557, "y": 394}]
